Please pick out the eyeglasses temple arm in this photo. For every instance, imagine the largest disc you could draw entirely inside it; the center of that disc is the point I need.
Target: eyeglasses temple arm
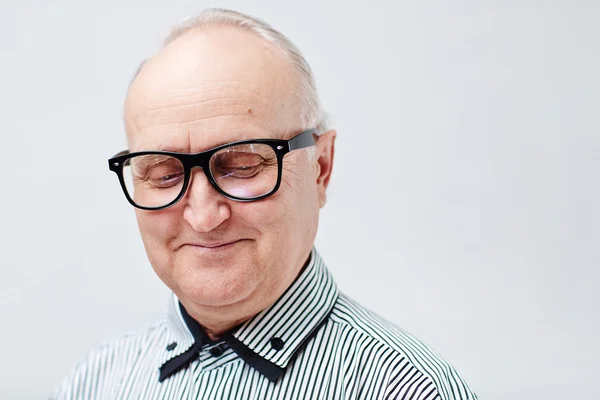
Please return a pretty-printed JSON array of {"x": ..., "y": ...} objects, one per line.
[{"x": 305, "y": 139}]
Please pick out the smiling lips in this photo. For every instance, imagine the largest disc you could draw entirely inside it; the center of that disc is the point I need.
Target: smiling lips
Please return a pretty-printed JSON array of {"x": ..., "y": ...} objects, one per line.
[{"x": 214, "y": 245}]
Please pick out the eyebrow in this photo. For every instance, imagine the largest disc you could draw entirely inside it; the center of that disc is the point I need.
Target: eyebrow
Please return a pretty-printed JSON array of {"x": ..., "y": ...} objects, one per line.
[{"x": 175, "y": 149}]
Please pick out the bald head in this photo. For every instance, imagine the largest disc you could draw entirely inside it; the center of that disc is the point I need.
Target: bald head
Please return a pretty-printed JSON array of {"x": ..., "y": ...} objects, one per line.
[
  {"x": 306, "y": 97},
  {"x": 220, "y": 79}
]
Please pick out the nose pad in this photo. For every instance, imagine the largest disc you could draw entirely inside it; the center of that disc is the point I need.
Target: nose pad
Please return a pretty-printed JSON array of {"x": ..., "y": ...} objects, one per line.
[{"x": 205, "y": 208}]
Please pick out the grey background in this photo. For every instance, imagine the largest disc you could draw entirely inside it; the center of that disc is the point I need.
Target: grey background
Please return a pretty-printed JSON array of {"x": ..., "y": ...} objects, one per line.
[{"x": 463, "y": 207}]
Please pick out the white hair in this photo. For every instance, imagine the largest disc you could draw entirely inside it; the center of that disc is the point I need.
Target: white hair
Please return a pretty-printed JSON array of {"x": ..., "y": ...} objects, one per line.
[{"x": 307, "y": 97}]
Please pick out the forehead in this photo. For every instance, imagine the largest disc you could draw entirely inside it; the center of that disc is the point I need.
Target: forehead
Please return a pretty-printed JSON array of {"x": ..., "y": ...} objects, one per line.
[{"x": 211, "y": 87}]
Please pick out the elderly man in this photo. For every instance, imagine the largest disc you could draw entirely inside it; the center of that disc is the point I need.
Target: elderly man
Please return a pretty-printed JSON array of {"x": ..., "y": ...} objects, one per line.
[{"x": 228, "y": 164}]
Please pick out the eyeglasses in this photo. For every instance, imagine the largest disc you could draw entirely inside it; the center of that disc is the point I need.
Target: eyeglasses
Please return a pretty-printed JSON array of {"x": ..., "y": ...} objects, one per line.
[{"x": 243, "y": 171}]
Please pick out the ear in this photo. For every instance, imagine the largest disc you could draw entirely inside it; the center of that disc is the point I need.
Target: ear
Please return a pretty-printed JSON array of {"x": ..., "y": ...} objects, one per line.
[{"x": 325, "y": 148}]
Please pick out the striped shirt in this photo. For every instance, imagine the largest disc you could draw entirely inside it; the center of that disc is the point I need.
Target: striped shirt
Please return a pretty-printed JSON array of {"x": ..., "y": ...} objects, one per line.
[{"x": 312, "y": 343}]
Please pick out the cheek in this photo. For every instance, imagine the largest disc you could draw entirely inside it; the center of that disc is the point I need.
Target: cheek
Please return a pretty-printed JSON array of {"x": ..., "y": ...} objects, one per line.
[
  {"x": 157, "y": 228},
  {"x": 292, "y": 210},
  {"x": 265, "y": 216}
]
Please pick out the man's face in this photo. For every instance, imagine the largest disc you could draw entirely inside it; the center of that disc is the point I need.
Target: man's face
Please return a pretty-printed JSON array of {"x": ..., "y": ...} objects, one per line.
[{"x": 203, "y": 90}]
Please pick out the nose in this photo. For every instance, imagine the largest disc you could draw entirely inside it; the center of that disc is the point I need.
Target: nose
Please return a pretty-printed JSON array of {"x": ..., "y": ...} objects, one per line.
[{"x": 205, "y": 209}]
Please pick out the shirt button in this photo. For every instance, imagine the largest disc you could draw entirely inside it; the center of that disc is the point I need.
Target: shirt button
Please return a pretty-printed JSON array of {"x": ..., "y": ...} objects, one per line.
[
  {"x": 276, "y": 343},
  {"x": 216, "y": 351}
]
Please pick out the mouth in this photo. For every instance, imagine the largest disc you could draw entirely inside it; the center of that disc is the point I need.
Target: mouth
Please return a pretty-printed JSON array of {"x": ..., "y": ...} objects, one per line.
[{"x": 214, "y": 246}]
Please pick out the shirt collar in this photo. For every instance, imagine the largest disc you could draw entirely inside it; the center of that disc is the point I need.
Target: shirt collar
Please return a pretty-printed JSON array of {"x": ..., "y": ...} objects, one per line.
[{"x": 270, "y": 339}]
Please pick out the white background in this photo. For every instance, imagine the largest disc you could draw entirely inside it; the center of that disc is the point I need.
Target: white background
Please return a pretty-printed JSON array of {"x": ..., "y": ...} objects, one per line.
[{"x": 464, "y": 205}]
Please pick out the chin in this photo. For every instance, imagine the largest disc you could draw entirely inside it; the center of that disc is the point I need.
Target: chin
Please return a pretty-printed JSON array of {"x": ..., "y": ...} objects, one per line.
[
  {"x": 218, "y": 287},
  {"x": 216, "y": 298}
]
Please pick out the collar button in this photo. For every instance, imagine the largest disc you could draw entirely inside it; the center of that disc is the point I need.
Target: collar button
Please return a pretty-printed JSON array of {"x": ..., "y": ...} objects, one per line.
[
  {"x": 216, "y": 351},
  {"x": 276, "y": 343}
]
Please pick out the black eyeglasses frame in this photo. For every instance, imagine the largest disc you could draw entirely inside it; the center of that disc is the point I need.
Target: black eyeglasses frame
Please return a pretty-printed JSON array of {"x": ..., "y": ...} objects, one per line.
[{"x": 202, "y": 159}]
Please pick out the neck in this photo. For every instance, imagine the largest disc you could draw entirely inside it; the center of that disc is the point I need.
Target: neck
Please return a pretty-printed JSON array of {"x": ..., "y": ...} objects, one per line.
[
  {"x": 212, "y": 321},
  {"x": 217, "y": 331}
]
